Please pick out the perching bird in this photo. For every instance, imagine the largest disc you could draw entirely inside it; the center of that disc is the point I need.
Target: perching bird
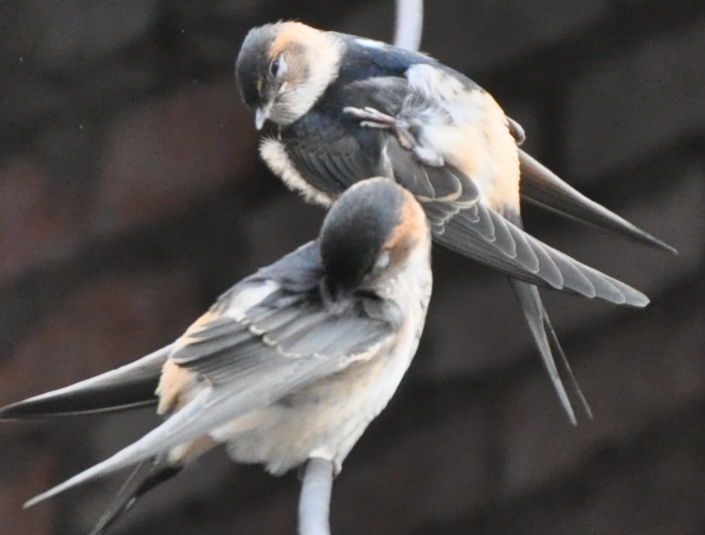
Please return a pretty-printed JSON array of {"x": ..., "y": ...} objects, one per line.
[
  {"x": 291, "y": 363},
  {"x": 346, "y": 107}
]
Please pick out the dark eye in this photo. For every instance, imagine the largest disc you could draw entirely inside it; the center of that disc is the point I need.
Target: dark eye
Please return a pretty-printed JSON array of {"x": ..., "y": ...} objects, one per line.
[{"x": 274, "y": 67}]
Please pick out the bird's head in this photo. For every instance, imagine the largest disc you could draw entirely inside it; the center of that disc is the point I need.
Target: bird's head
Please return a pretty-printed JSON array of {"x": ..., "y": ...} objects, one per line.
[
  {"x": 370, "y": 234},
  {"x": 284, "y": 68}
]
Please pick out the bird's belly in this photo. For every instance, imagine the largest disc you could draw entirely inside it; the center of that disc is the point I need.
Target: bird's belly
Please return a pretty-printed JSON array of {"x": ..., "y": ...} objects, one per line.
[
  {"x": 328, "y": 417},
  {"x": 323, "y": 420}
]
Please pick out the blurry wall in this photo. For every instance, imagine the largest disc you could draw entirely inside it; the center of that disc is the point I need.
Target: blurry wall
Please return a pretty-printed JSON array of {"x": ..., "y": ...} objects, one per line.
[{"x": 131, "y": 196}]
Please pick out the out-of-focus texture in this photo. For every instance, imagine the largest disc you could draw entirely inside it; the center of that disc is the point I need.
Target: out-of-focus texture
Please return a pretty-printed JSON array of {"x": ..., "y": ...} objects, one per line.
[{"x": 131, "y": 195}]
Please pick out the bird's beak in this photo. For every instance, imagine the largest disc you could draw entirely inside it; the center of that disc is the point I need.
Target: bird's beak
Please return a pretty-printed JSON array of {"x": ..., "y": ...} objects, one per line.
[{"x": 261, "y": 115}]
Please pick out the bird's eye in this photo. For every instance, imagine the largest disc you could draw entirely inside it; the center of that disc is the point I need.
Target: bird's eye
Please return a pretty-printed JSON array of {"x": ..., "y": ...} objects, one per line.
[
  {"x": 274, "y": 67},
  {"x": 383, "y": 260}
]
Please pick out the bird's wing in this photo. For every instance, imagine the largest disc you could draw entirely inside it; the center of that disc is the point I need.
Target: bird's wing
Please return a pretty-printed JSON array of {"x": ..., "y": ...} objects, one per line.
[
  {"x": 476, "y": 132},
  {"x": 453, "y": 200},
  {"x": 127, "y": 387},
  {"x": 326, "y": 152},
  {"x": 542, "y": 187},
  {"x": 487, "y": 237},
  {"x": 134, "y": 385},
  {"x": 247, "y": 357}
]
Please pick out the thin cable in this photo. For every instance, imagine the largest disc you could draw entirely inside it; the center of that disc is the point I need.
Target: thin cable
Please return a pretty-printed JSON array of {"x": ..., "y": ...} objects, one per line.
[
  {"x": 409, "y": 24},
  {"x": 317, "y": 484},
  {"x": 314, "y": 502}
]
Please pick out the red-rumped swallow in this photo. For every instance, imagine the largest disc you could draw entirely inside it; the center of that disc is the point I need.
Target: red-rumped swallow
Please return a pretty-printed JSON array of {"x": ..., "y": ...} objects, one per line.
[
  {"x": 291, "y": 363},
  {"x": 346, "y": 108}
]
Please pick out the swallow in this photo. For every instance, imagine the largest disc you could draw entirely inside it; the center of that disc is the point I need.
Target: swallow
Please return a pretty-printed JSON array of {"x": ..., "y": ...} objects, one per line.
[
  {"x": 291, "y": 363},
  {"x": 344, "y": 108}
]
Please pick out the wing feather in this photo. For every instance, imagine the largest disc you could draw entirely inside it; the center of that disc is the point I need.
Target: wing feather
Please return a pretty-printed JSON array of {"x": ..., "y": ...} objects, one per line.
[
  {"x": 277, "y": 347},
  {"x": 542, "y": 187},
  {"x": 130, "y": 386},
  {"x": 553, "y": 268},
  {"x": 458, "y": 215}
]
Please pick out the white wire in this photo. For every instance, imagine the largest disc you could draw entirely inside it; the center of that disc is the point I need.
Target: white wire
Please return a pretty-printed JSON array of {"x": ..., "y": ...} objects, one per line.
[
  {"x": 314, "y": 502},
  {"x": 409, "y": 24},
  {"x": 317, "y": 484}
]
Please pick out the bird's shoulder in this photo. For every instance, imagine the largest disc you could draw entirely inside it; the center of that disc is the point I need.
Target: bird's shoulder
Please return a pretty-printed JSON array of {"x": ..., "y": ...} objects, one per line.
[{"x": 365, "y": 58}]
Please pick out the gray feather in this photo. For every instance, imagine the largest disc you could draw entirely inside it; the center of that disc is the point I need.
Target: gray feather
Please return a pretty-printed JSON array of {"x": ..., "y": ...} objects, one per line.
[
  {"x": 288, "y": 340},
  {"x": 127, "y": 387},
  {"x": 536, "y": 262},
  {"x": 211, "y": 408},
  {"x": 542, "y": 187},
  {"x": 532, "y": 308}
]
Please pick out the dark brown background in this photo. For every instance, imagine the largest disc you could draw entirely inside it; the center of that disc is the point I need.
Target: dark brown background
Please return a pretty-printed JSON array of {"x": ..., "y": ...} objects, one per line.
[{"x": 131, "y": 196}]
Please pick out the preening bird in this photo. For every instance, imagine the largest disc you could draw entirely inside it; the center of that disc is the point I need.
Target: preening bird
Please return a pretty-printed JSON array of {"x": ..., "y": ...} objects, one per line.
[
  {"x": 291, "y": 363},
  {"x": 345, "y": 108}
]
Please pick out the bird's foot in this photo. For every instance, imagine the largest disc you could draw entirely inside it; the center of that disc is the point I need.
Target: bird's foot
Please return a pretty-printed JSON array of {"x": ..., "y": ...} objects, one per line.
[{"x": 372, "y": 118}]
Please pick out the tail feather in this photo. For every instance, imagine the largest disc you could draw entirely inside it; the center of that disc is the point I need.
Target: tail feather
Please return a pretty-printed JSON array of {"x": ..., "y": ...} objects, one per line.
[
  {"x": 532, "y": 308},
  {"x": 187, "y": 424},
  {"x": 146, "y": 476},
  {"x": 558, "y": 349},
  {"x": 545, "y": 339}
]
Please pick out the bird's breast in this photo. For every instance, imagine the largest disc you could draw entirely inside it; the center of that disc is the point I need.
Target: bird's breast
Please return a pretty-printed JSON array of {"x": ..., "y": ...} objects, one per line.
[{"x": 274, "y": 154}]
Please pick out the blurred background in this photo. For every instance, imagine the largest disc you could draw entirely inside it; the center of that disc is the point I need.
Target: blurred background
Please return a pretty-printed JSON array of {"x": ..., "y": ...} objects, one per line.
[{"x": 131, "y": 195}]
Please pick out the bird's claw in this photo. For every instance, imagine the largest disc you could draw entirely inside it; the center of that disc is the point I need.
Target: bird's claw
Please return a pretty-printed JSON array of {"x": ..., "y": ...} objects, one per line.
[{"x": 372, "y": 118}]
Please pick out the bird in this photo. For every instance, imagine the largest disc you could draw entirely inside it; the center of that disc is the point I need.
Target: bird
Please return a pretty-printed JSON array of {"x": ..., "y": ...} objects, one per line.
[
  {"x": 339, "y": 108},
  {"x": 291, "y": 363}
]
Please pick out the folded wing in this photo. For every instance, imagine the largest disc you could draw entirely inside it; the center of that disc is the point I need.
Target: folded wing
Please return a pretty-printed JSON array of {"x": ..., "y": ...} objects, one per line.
[
  {"x": 247, "y": 361},
  {"x": 127, "y": 387}
]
